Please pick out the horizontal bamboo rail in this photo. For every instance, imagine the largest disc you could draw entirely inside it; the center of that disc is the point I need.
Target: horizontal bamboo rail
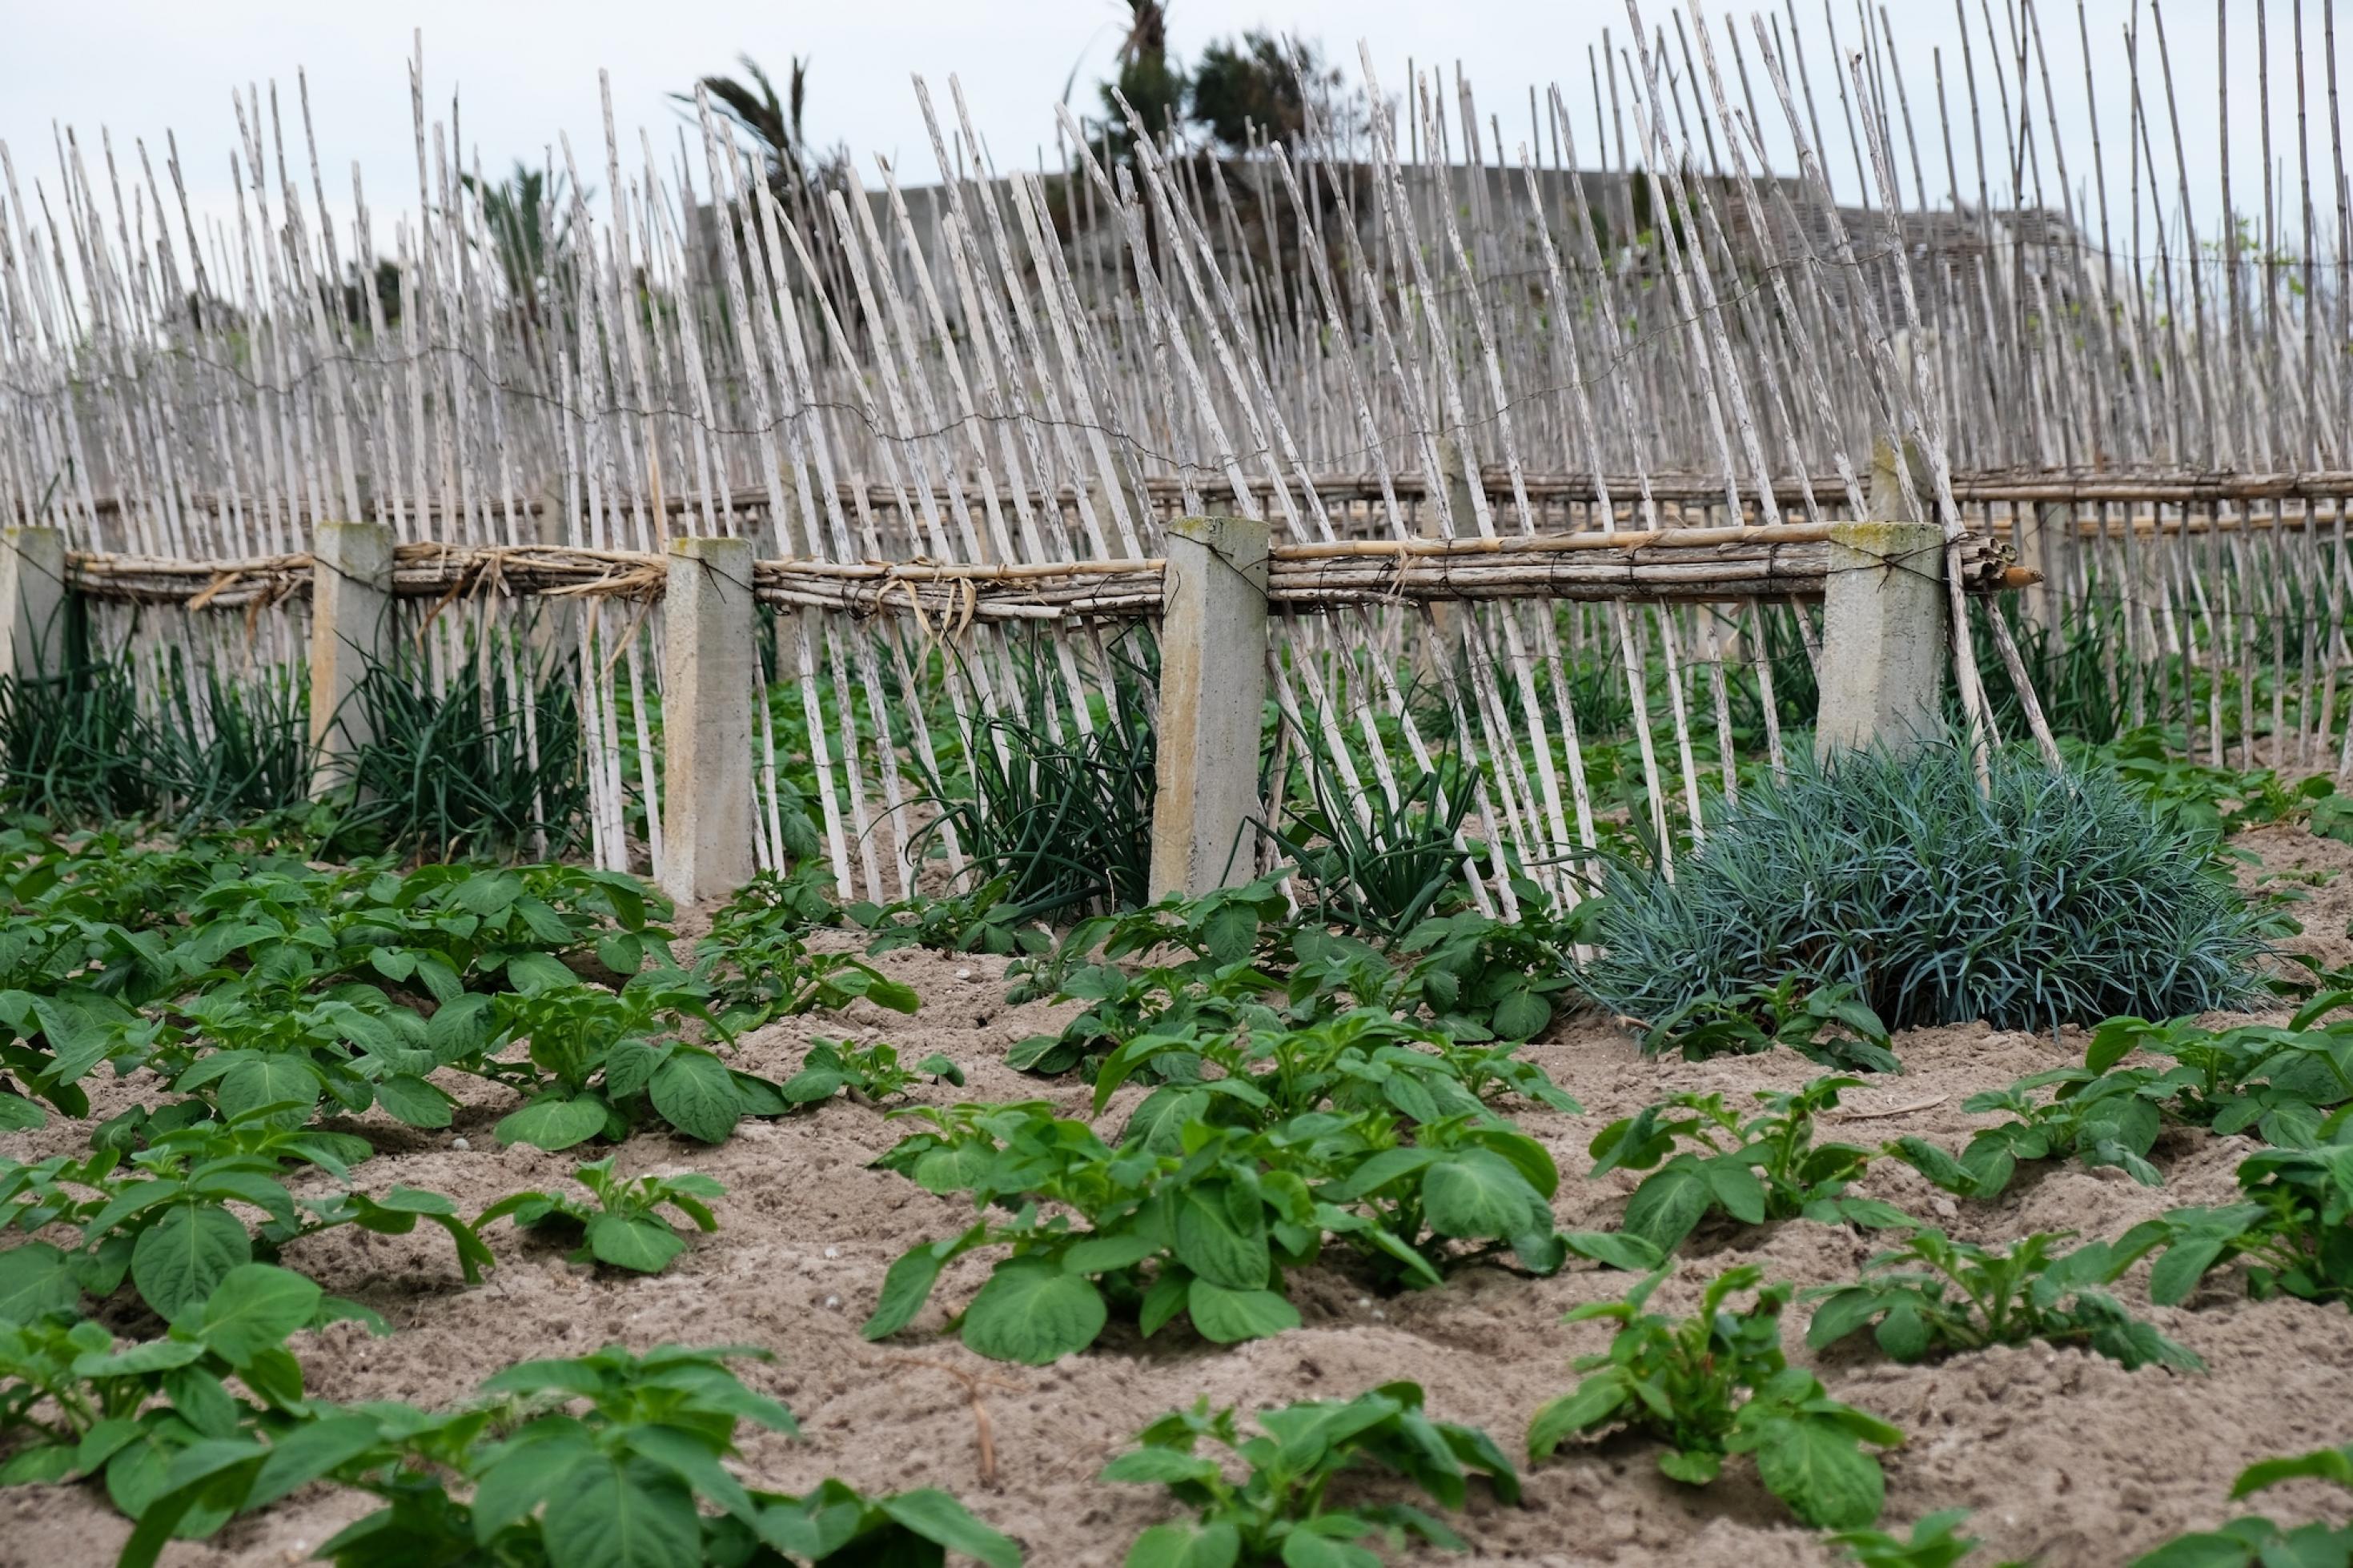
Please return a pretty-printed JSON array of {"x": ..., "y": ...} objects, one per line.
[
  {"x": 1678, "y": 491},
  {"x": 1779, "y": 561}
]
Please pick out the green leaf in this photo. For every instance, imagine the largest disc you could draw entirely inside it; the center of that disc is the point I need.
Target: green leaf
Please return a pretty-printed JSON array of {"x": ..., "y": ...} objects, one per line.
[
  {"x": 1616, "y": 1248},
  {"x": 1736, "y": 1187},
  {"x": 1305, "y": 1548},
  {"x": 532, "y": 973},
  {"x": 1691, "y": 1468},
  {"x": 2176, "y": 1273},
  {"x": 642, "y": 1244},
  {"x": 1595, "y": 1402},
  {"x": 909, "y": 1283},
  {"x": 35, "y": 1279},
  {"x": 1230, "y": 934},
  {"x": 1820, "y": 1471},
  {"x": 146, "y": 1356},
  {"x": 180, "y": 1259},
  {"x": 254, "y": 1308},
  {"x": 1167, "y": 1298},
  {"x": 1032, "y": 1312},
  {"x": 1152, "y": 1466},
  {"x": 1185, "y": 1544},
  {"x": 1225, "y": 1316},
  {"x": 695, "y": 1094},
  {"x": 413, "y": 1101},
  {"x": 630, "y": 1066},
  {"x": 307, "y": 1452},
  {"x": 944, "y": 1521},
  {"x": 1221, "y": 1234},
  {"x": 1521, "y": 1015},
  {"x": 526, "y": 1472},
  {"x": 1666, "y": 1207},
  {"x": 270, "y": 1078},
  {"x": 1106, "y": 1253},
  {"x": 553, "y": 1123},
  {"x": 625, "y": 1515},
  {"x": 1478, "y": 1192}
]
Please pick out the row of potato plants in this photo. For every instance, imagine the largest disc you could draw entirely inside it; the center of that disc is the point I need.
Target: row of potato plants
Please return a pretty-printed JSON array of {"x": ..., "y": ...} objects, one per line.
[
  {"x": 1306, "y": 1088},
  {"x": 1309, "y": 1090},
  {"x": 264, "y": 995}
]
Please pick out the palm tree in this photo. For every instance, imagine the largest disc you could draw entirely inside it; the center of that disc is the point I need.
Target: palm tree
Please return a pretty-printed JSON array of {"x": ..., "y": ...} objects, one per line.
[
  {"x": 771, "y": 120},
  {"x": 530, "y": 220}
]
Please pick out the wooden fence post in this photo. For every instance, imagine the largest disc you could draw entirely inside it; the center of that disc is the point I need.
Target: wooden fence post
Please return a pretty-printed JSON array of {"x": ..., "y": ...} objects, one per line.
[
  {"x": 1212, "y": 697},
  {"x": 1885, "y": 642},
  {"x": 351, "y": 628},
  {"x": 709, "y": 669},
  {"x": 33, "y": 600}
]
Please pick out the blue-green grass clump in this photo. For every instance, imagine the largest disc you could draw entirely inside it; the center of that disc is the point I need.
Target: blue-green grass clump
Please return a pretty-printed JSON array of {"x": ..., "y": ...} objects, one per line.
[{"x": 2044, "y": 898}]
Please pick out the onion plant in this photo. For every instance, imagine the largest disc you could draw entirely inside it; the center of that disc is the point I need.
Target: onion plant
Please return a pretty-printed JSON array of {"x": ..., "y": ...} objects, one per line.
[{"x": 453, "y": 766}]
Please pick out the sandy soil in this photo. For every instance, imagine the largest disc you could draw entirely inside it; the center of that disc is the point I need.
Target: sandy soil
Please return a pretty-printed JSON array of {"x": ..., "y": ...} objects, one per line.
[{"x": 2067, "y": 1459}]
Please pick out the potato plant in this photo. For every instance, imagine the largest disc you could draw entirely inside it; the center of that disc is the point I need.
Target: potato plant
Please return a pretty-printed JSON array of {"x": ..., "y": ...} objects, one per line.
[
  {"x": 2290, "y": 1230},
  {"x": 596, "y": 1064},
  {"x": 1934, "y": 1542},
  {"x": 2254, "y": 1541},
  {"x": 608, "y": 1457},
  {"x": 1715, "y": 1385},
  {"x": 162, "y": 1217},
  {"x": 1220, "y": 1227},
  {"x": 1828, "y": 1023},
  {"x": 2279, "y": 1083},
  {"x": 868, "y": 1074},
  {"x": 759, "y": 966},
  {"x": 1753, "y": 1170},
  {"x": 1362, "y": 1059},
  {"x": 80, "y": 1407},
  {"x": 1934, "y": 1294},
  {"x": 1281, "y": 1511},
  {"x": 2099, "y": 1119},
  {"x": 980, "y": 920},
  {"x": 623, "y": 1227}
]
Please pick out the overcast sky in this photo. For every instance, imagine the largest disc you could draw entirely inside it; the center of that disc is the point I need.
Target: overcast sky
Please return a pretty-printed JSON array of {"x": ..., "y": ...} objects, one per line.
[{"x": 525, "y": 72}]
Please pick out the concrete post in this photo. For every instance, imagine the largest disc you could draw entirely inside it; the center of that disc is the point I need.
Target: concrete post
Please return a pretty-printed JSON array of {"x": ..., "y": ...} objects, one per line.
[
  {"x": 709, "y": 672},
  {"x": 1883, "y": 638},
  {"x": 351, "y": 628},
  {"x": 1212, "y": 695},
  {"x": 33, "y": 601}
]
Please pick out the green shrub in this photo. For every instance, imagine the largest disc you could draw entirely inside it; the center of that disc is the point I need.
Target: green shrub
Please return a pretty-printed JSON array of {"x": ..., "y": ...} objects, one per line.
[{"x": 2043, "y": 898}]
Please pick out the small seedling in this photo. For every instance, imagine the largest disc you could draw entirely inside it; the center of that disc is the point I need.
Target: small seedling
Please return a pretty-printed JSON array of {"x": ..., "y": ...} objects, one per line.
[
  {"x": 2253, "y": 1541},
  {"x": 981, "y": 921},
  {"x": 1830, "y": 1025},
  {"x": 1715, "y": 1385},
  {"x": 867, "y": 1074},
  {"x": 757, "y": 963},
  {"x": 1934, "y": 1294},
  {"x": 1277, "y": 1513},
  {"x": 1936, "y": 1542},
  {"x": 624, "y": 1227}
]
